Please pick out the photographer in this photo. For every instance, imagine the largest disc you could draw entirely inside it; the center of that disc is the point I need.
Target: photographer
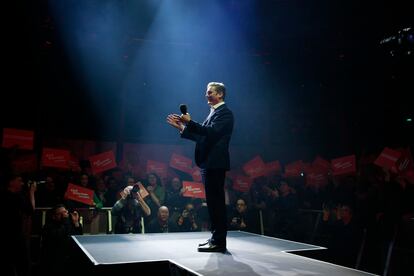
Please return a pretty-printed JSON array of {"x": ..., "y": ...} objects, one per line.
[
  {"x": 187, "y": 221},
  {"x": 128, "y": 211},
  {"x": 56, "y": 241},
  {"x": 242, "y": 219}
]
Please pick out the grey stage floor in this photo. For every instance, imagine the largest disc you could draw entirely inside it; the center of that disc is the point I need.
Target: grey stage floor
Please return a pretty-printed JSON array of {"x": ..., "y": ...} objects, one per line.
[{"x": 248, "y": 254}]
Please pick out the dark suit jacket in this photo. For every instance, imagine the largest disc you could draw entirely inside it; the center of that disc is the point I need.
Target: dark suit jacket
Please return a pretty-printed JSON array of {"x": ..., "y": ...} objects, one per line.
[{"x": 212, "y": 139}]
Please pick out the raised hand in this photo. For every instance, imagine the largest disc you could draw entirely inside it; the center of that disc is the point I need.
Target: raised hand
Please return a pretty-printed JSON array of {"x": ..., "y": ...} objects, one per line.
[{"x": 175, "y": 121}]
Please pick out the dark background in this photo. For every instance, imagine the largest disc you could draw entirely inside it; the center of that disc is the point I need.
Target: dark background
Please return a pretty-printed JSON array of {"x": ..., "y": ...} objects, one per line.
[{"x": 310, "y": 77}]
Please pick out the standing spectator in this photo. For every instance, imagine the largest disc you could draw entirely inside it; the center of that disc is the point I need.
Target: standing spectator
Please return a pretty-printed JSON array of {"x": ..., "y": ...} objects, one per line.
[
  {"x": 174, "y": 198},
  {"x": 47, "y": 194},
  {"x": 17, "y": 205},
  {"x": 287, "y": 207},
  {"x": 128, "y": 211},
  {"x": 56, "y": 240},
  {"x": 162, "y": 224},
  {"x": 157, "y": 193}
]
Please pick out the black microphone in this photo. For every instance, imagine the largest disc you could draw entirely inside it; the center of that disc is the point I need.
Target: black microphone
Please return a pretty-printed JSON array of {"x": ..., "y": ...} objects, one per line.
[{"x": 183, "y": 109}]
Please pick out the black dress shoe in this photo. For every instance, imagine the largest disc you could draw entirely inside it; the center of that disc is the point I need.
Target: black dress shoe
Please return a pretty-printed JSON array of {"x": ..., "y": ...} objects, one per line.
[
  {"x": 205, "y": 243},
  {"x": 212, "y": 248}
]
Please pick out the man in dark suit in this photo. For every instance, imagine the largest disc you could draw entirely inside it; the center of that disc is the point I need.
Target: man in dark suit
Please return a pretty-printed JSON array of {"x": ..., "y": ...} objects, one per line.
[{"x": 212, "y": 139}]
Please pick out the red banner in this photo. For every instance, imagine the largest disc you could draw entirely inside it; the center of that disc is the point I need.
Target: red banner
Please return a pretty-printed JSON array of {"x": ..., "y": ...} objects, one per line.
[
  {"x": 196, "y": 174},
  {"x": 294, "y": 169},
  {"x": 194, "y": 189},
  {"x": 22, "y": 139},
  {"x": 142, "y": 191},
  {"x": 388, "y": 158},
  {"x": 344, "y": 165},
  {"x": 255, "y": 167},
  {"x": 181, "y": 163},
  {"x": 242, "y": 183},
  {"x": 55, "y": 158},
  {"x": 102, "y": 162},
  {"x": 273, "y": 167},
  {"x": 80, "y": 194},
  {"x": 319, "y": 162},
  {"x": 161, "y": 169}
]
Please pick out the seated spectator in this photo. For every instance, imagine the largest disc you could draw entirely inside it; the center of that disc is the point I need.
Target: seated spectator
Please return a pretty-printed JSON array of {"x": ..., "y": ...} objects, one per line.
[
  {"x": 156, "y": 191},
  {"x": 162, "y": 223},
  {"x": 129, "y": 210},
  {"x": 344, "y": 233},
  {"x": 242, "y": 219},
  {"x": 56, "y": 240},
  {"x": 287, "y": 207},
  {"x": 188, "y": 221},
  {"x": 174, "y": 199}
]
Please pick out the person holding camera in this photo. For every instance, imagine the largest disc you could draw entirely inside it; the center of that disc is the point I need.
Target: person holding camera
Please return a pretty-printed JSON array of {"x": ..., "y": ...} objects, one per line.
[
  {"x": 129, "y": 210},
  {"x": 242, "y": 219},
  {"x": 187, "y": 221},
  {"x": 56, "y": 239}
]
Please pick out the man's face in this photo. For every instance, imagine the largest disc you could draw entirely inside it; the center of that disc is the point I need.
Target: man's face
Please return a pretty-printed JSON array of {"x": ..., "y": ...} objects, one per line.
[
  {"x": 175, "y": 183},
  {"x": 213, "y": 97},
  {"x": 130, "y": 181},
  {"x": 84, "y": 180},
  {"x": 16, "y": 184},
  {"x": 163, "y": 214},
  {"x": 241, "y": 206},
  {"x": 61, "y": 214}
]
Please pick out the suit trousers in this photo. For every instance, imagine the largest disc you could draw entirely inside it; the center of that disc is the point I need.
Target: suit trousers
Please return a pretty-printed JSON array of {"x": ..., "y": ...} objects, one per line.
[{"x": 213, "y": 180}]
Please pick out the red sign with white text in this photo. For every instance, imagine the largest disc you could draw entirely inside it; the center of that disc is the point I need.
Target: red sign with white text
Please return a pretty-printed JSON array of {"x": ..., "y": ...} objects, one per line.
[
  {"x": 388, "y": 158},
  {"x": 194, "y": 189},
  {"x": 55, "y": 158},
  {"x": 406, "y": 160},
  {"x": 80, "y": 194},
  {"x": 22, "y": 139},
  {"x": 242, "y": 183},
  {"x": 255, "y": 167},
  {"x": 319, "y": 162},
  {"x": 181, "y": 163},
  {"x": 316, "y": 177},
  {"x": 160, "y": 168},
  {"x": 344, "y": 165},
  {"x": 102, "y": 162}
]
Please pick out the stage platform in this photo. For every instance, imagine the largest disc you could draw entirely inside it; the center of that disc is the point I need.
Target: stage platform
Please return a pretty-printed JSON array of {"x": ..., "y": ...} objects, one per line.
[{"x": 176, "y": 254}]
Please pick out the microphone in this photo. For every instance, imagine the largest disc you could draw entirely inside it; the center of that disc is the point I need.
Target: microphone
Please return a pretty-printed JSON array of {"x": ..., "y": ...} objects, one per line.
[{"x": 183, "y": 109}]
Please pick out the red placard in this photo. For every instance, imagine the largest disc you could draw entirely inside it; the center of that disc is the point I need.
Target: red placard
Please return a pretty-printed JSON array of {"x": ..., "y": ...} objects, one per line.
[
  {"x": 55, "y": 158},
  {"x": 316, "y": 177},
  {"x": 255, "y": 167},
  {"x": 160, "y": 168},
  {"x": 142, "y": 191},
  {"x": 80, "y": 194},
  {"x": 22, "y": 139},
  {"x": 196, "y": 174},
  {"x": 273, "y": 167},
  {"x": 181, "y": 163},
  {"x": 294, "y": 169},
  {"x": 406, "y": 160},
  {"x": 344, "y": 165},
  {"x": 388, "y": 158},
  {"x": 242, "y": 183},
  {"x": 194, "y": 189},
  {"x": 102, "y": 162},
  {"x": 321, "y": 163}
]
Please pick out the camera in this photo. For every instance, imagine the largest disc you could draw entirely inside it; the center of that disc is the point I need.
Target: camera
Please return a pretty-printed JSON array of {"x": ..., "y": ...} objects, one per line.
[{"x": 134, "y": 190}]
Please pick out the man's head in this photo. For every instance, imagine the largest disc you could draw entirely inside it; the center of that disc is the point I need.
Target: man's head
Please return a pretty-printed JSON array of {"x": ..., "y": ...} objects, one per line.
[
  {"x": 59, "y": 213},
  {"x": 15, "y": 183},
  {"x": 84, "y": 180},
  {"x": 50, "y": 183},
  {"x": 130, "y": 181},
  {"x": 163, "y": 214},
  {"x": 176, "y": 183},
  {"x": 216, "y": 92},
  {"x": 346, "y": 213},
  {"x": 241, "y": 206}
]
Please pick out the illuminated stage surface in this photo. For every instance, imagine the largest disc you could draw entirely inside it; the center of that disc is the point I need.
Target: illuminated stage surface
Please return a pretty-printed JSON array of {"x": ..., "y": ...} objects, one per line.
[{"x": 248, "y": 254}]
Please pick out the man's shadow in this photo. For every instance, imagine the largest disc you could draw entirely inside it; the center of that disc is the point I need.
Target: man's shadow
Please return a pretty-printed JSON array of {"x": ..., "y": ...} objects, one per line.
[{"x": 225, "y": 264}]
